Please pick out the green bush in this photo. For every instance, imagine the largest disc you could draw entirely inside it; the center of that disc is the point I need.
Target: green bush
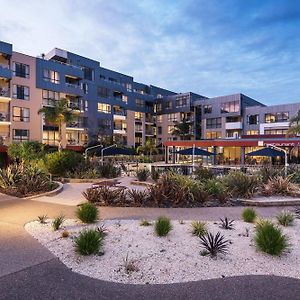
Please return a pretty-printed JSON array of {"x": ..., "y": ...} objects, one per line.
[
  {"x": 249, "y": 215},
  {"x": 163, "y": 226},
  {"x": 57, "y": 222},
  {"x": 142, "y": 174},
  {"x": 201, "y": 173},
  {"x": 240, "y": 184},
  {"x": 270, "y": 239},
  {"x": 87, "y": 213},
  {"x": 216, "y": 188},
  {"x": 199, "y": 228},
  {"x": 89, "y": 242},
  {"x": 59, "y": 163},
  {"x": 155, "y": 174},
  {"x": 285, "y": 218}
]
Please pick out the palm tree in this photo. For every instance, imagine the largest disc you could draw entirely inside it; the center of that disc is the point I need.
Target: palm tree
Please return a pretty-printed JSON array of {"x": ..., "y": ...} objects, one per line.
[
  {"x": 58, "y": 114},
  {"x": 294, "y": 125},
  {"x": 182, "y": 129},
  {"x": 148, "y": 148}
]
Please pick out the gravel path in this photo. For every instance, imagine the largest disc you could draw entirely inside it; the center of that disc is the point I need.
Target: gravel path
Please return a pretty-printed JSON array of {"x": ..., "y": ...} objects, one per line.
[{"x": 171, "y": 259}]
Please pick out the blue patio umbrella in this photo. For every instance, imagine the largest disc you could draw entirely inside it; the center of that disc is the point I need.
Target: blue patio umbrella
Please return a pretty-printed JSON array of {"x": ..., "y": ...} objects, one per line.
[
  {"x": 194, "y": 151},
  {"x": 268, "y": 152},
  {"x": 117, "y": 151}
]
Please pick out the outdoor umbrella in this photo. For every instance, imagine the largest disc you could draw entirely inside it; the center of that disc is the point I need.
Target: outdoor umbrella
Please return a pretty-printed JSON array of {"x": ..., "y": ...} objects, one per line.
[
  {"x": 269, "y": 152},
  {"x": 117, "y": 151},
  {"x": 194, "y": 151}
]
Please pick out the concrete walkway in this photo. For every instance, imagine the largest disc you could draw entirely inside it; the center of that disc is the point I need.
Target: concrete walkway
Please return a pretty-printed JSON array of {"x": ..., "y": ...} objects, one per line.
[{"x": 30, "y": 271}]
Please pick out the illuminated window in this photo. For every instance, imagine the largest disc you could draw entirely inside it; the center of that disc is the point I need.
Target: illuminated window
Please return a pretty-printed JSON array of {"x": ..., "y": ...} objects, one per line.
[
  {"x": 230, "y": 107},
  {"x": 104, "y": 108},
  {"x": 51, "y": 76},
  {"x": 20, "y": 114}
]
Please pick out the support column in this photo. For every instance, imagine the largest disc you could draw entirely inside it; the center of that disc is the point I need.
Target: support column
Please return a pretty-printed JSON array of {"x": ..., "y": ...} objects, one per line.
[
  {"x": 173, "y": 155},
  {"x": 166, "y": 154},
  {"x": 214, "y": 157},
  {"x": 242, "y": 156}
]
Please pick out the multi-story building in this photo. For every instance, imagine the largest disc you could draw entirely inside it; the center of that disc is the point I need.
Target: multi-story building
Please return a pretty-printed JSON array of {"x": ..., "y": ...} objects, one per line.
[{"x": 105, "y": 102}]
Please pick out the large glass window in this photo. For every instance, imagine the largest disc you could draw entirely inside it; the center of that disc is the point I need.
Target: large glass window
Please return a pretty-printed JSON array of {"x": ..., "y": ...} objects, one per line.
[
  {"x": 138, "y": 115},
  {"x": 276, "y": 131},
  {"x": 252, "y": 132},
  {"x": 169, "y": 105},
  {"x": 207, "y": 109},
  {"x": 277, "y": 117},
  {"x": 51, "y": 76},
  {"x": 88, "y": 73},
  {"x": 104, "y": 108},
  {"x": 181, "y": 101},
  {"x": 139, "y": 103},
  {"x": 213, "y": 123},
  {"x": 103, "y": 92},
  {"x": 252, "y": 119},
  {"x": 20, "y": 114},
  {"x": 49, "y": 97},
  {"x": 172, "y": 117},
  {"x": 20, "y": 70},
  {"x": 213, "y": 135},
  {"x": 230, "y": 107},
  {"x": 20, "y": 92},
  {"x": 50, "y": 137},
  {"x": 20, "y": 135}
]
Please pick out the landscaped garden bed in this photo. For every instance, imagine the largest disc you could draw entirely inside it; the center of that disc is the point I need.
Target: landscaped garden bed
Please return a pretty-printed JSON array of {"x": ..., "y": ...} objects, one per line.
[{"x": 164, "y": 251}]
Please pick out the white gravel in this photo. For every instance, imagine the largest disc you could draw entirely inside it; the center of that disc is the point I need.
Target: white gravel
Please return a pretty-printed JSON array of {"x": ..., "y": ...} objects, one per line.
[{"x": 175, "y": 258}]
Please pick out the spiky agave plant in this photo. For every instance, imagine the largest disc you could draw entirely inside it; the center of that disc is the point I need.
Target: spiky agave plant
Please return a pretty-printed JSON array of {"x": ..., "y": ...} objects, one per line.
[
  {"x": 227, "y": 224},
  {"x": 214, "y": 244}
]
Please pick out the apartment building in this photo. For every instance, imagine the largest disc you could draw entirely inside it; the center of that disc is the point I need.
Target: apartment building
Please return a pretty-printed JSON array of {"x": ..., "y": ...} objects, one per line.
[{"x": 106, "y": 102}]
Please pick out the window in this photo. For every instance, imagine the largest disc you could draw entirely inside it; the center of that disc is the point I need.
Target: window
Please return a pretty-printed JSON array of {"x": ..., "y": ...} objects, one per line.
[
  {"x": 50, "y": 137},
  {"x": 139, "y": 102},
  {"x": 207, "y": 109},
  {"x": 252, "y": 119},
  {"x": 169, "y": 105},
  {"x": 49, "y": 97},
  {"x": 277, "y": 117},
  {"x": 21, "y": 92},
  {"x": 104, "y": 124},
  {"x": 170, "y": 128},
  {"x": 159, "y": 118},
  {"x": 138, "y": 127},
  {"x": 230, "y": 107},
  {"x": 181, "y": 101},
  {"x": 20, "y": 70},
  {"x": 102, "y": 77},
  {"x": 158, "y": 107},
  {"x": 172, "y": 117},
  {"x": 104, "y": 108},
  {"x": 51, "y": 76},
  {"x": 125, "y": 98},
  {"x": 128, "y": 86},
  {"x": 213, "y": 123},
  {"x": 138, "y": 115},
  {"x": 85, "y": 88},
  {"x": 103, "y": 92},
  {"x": 276, "y": 131},
  {"x": 252, "y": 132},
  {"x": 20, "y": 114},
  {"x": 20, "y": 135},
  {"x": 213, "y": 135},
  {"x": 88, "y": 73},
  {"x": 233, "y": 119},
  {"x": 159, "y": 130}
]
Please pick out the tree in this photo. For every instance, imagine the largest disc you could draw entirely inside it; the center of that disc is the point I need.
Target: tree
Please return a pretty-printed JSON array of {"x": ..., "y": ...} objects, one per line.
[
  {"x": 58, "y": 114},
  {"x": 182, "y": 129},
  {"x": 294, "y": 125},
  {"x": 148, "y": 148}
]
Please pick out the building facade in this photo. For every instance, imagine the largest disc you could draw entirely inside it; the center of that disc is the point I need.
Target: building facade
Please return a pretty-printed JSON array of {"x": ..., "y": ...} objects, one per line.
[{"x": 109, "y": 103}]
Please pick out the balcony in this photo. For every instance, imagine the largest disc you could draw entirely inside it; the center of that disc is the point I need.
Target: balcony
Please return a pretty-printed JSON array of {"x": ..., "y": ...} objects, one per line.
[
  {"x": 4, "y": 94},
  {"x": 5, "y": 71},
  {"x": 119, "y": 130},
  {"x": 4, "y": 118},
  {"x": 233, "y": 125},
  {"x": 76, "y": 125},
  {"x": 4, "y": 138}
]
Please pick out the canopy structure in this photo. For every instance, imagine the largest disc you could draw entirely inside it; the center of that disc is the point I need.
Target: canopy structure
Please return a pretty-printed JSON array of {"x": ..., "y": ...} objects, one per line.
[
  {"x": 117, "y": 151},
  {"x": 194, "y": 151},
  {"x": 268, "y": 152}
]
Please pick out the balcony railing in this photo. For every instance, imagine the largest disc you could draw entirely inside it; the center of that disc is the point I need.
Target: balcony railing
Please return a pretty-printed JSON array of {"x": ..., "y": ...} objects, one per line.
[
  {"x": 4, "y": 66},
  {"x": 4, "y": 92},
  {"x": 75, "y": 125},
  {"x": 4, "y": 116}
]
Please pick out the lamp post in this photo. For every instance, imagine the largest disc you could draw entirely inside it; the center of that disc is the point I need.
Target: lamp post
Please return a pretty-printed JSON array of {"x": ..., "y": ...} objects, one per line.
[
  {"x": 285, "y": 157},
  {"x": 89, "y": 148},
  {"x": 102, "y": 150}
]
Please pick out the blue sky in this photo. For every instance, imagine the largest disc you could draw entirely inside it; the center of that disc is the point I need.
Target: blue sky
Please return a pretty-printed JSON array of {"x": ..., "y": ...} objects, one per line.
[{"x": 208, "y": 47}]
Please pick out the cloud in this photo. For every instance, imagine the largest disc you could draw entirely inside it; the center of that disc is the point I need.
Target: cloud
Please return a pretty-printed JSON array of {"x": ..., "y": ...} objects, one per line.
[{"x": 207, "y": 47}]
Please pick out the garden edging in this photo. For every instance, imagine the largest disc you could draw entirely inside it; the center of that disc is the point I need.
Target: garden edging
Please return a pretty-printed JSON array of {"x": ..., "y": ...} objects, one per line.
[{"x": 54, "y": 192}]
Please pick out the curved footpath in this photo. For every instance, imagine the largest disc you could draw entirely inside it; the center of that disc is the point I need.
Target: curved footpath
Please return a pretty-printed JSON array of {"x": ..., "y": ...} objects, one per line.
[{"x": 30, "y": 271}]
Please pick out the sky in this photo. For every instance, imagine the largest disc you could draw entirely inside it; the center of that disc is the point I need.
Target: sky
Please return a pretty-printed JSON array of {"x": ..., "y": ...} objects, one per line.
[{"x": 209, "y": 47}]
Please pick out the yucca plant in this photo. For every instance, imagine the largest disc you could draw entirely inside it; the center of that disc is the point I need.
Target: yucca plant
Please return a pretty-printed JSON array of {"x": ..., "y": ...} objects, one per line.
[
  {"x": 57, "y": 222},
  {"x": 240, "y": 184},
  {"x": 199, "y": 228},
  {"x": 285, "y": 218},
  {"x": 270, "y": 239},
  {"x": 89, "y": 242},
  {"x": 249, "y": 215},
  {"x": 137, "y": 197},
  {"x": 163, "y": 226},
  {"x": 142, "y": 174},
  {"x": 42, "y": 219},
  {"x": 214, "y": 244},
  {"x": 10, "y": 176},
  {"x": 280, "y": 186},
  {"x": 87, "y": 213},
  {"x": 227, "y": 223}
]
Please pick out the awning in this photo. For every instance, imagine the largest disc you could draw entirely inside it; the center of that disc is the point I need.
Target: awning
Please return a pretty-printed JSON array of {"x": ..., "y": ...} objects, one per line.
[{"x": 194, "y": 151}]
